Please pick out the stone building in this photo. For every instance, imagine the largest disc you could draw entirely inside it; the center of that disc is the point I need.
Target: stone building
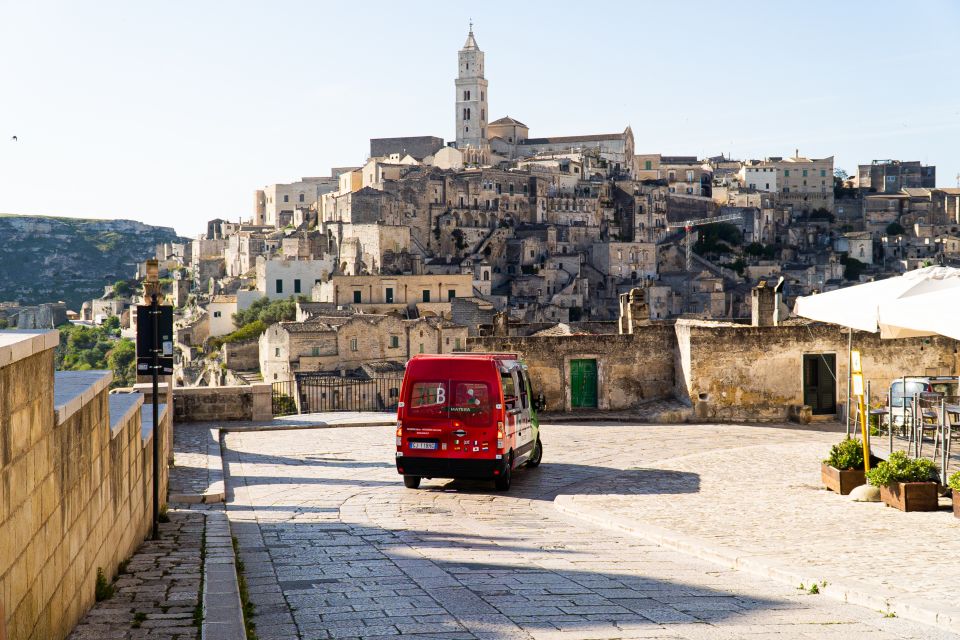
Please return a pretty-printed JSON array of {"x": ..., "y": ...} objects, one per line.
[
  {"x": 890, "y": 176},
  {"x": 279, "y": 278},
  {"x": 425, "y": 294}
]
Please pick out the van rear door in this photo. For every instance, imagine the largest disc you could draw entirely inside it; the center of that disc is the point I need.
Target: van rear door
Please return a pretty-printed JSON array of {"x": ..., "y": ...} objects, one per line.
[{"x": 450, "y": 417}]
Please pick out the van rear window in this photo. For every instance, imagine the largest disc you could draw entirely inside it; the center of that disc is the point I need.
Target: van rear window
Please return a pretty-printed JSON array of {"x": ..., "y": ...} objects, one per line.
[
  {"x": 471, "y": 402},
  {"x": 429, "y": 399},
  {"x": 467, "y": 402}
]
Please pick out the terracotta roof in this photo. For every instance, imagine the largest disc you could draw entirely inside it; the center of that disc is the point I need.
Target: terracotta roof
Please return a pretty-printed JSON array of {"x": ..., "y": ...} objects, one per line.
[
  {"x": 509, "y": 120},
  {"x": 564, "y": 139}
]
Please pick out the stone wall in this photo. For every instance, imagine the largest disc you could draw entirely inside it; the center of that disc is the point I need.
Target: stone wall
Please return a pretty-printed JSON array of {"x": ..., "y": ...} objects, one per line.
[
  {"x": 242, "y": 356},
  {"x": 737, "y": 372},
  {"x": 209, "y": 404},
  {"x": 631, "y": 369},
  {"x": 76, "y": 496}
]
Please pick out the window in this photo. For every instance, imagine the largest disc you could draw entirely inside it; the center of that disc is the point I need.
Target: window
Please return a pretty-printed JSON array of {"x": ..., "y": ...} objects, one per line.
[
  {"x": 509, "y": 390},
  {"x": 466, "y": 95},
  {"x": 456, "y": 344},
  {"x": 279, "y": 285},
  {"x": 786, "y": 173},
  {"x": 216, "y": 314},
  {"x": 353, "y": 344},
  {"x": 356, "y": 297},
  {"x": 421, "y": 347},
  {"x": 486, "y": 274},
  {"x": 315, "y": 351},
  {"x": 428, "y": 399},
  {"x": 689, "y": 176},
  {"x": 276, "y": 352},
  {"x": 301, "y": 197},
  {"x": 804, "y": 173},
  {"x": 296, "y": 285},
  {"x": 648, "y": 165},
  {"x": 286, "y": 198},
  {"x": 823, "y": 173},
  {"x": 451, "y": 294},
  {"x": 394, "y": 342},
  {"x": 426, "y": 295}
]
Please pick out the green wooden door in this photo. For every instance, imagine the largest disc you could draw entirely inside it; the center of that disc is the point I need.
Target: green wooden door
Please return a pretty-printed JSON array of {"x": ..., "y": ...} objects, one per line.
[
  {"x": 819, "y": 383},
  {"x": 583, "y": 384}
]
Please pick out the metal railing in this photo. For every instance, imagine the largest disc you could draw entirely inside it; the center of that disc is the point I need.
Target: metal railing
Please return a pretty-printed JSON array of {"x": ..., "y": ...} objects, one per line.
[{"x": 319, "y": 392}]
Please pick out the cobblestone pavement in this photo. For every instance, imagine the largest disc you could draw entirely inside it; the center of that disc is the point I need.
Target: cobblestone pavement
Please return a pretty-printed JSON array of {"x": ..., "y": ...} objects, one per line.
[
  {"x": 197, "y": 474},
  {"x": 157, "y": 592},
  {"x": 765, "y": 503},
  {"x": 335, "y": 547}
]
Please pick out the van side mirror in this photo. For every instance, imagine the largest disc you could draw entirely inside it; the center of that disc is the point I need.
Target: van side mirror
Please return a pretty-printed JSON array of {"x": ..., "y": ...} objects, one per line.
[{"x": 540, "y": 403}]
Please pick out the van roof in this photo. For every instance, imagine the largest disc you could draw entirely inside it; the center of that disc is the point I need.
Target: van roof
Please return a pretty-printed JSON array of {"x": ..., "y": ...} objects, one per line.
[{"x": 470, "y": 356}]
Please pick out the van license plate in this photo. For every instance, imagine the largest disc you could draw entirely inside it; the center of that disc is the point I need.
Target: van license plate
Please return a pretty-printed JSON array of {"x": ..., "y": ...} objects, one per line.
[{"x": 423, "y": 445}]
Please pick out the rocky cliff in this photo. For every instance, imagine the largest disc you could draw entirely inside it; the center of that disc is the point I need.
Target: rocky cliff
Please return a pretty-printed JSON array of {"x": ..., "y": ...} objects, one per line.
[{"x": 71, "y": 259}]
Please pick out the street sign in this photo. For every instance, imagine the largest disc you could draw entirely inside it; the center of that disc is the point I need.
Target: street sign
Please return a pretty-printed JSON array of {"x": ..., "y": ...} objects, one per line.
[{"x": 145, "y": 343}]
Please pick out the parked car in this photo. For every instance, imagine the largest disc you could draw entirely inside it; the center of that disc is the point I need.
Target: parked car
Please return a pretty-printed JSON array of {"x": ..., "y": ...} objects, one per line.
[{"x": 903, "y": 390}]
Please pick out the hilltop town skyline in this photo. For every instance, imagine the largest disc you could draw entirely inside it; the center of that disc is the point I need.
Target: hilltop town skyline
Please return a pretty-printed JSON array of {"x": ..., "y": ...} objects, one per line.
[{"x": 214, "y": 122}]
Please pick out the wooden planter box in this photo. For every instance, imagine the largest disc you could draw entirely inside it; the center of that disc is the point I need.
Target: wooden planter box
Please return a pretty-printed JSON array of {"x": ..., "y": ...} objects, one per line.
[
  {"x": 842, "y": 482},
  {"x": 910, "y": 496},
  {"x": 956, "y": 504}
]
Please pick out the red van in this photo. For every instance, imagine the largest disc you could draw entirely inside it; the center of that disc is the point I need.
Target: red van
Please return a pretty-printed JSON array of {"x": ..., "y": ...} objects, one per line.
[{"x": 469, "y": 415}]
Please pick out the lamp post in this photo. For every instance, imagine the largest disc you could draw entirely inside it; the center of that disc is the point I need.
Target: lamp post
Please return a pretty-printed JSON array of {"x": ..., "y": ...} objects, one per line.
[{"x": 151, "y": 288}]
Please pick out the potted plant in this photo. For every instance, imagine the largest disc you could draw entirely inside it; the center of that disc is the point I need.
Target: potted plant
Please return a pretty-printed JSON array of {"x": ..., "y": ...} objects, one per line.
[
  {"x": 842, "y": 472},
  {"x": 908, "y": 485},
  {"x": 954, "y": 483}
]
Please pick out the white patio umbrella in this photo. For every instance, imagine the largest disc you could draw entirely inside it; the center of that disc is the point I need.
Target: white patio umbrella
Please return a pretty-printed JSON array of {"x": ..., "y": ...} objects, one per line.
[
  {"x": 870, "y": 306},
  {"x": 859, "y": 306},
  {"x": 922, "y": 314}
]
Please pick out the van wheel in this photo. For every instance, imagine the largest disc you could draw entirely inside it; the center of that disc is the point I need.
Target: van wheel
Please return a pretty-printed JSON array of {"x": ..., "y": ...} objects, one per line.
[
  {"x": 537, "y": 456},
  {"x": 411, "y": 482},
  {"x": 503, "y": 481}
]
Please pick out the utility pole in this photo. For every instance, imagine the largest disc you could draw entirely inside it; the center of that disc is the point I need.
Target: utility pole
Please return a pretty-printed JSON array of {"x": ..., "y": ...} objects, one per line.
[{"x": 152, "y": 283}]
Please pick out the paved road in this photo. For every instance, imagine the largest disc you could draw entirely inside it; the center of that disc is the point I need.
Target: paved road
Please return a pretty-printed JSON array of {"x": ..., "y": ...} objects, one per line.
[{"x": 335, "y": 547}]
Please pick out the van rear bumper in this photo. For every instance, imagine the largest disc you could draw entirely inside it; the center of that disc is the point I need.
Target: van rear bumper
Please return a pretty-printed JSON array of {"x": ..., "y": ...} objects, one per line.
[{"x": 449, "y": 467}]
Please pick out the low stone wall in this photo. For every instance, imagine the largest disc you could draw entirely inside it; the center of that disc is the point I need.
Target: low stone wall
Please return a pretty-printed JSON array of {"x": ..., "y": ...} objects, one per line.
[
  {"x": 631, "y": 369},
  {"x": 76, "y": 496},
  {"x": 242, "y": 356},
  {"x": 215, "y": 404}
]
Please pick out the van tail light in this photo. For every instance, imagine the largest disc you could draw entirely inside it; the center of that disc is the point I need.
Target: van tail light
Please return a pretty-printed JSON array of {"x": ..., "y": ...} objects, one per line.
[
  {"x": 399, "y": 433},
  {"x": 499, "y": 435}
]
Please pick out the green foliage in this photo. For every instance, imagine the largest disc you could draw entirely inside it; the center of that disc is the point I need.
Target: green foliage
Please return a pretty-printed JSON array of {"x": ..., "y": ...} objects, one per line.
[
  {"x": 901, "y": 468},
  {"x": 268, "y": 312},
  {"x": 284, "y": 406},
  {"x": 122, "y": 288},
  {"x": 138, "y": 619},
  {"x": 3, "y": 323},
  {"x": 246, "y": 332},
  {"x": 737, "y": 265},
  {"x": 83, "y": 348},
  {"x": 459, "y": 239},
  {"x": 821, "y": 214},
  {"x": 718, "y": 238},
  {"x": 954, "y": 481},
  {"x": 847, "y": 454},
  {"x": 103, "y": 590},
  {"x": 895, "y": 229},
  {"x": 112, "y": 326},
  {"x": 852, "y": 268}
]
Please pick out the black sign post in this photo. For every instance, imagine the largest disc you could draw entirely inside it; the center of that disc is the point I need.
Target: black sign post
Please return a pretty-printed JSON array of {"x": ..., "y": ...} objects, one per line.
[{"x": 155, "y": 353}]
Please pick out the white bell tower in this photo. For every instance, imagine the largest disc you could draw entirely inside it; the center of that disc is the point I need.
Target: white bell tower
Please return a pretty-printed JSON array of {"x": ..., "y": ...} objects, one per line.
[{"x": 471, "y": 97}]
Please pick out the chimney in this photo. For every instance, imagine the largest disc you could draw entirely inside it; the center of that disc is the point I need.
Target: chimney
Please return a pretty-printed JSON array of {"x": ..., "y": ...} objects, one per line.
[{"x": 765, "y": 304}]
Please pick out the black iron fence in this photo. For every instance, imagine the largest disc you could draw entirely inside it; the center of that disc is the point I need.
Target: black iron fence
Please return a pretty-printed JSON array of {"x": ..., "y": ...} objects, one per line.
[{"x": 318, "y": 392}]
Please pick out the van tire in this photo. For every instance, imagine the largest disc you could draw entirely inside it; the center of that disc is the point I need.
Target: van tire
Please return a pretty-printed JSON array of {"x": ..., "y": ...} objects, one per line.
[
  {"x": 537, "y": 456},
  {"x": 411, "y": 482},
  {"x": 505, "y": 479}
]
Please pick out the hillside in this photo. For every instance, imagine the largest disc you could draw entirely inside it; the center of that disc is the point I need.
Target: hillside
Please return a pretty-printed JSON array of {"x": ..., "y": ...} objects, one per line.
[{"x": 45, "y": 259}]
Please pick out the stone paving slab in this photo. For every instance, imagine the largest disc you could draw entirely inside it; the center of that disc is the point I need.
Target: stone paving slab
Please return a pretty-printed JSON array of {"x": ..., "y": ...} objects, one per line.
[
  {"x": 197, "y": 474},
  {"x": 761, "y": 508},
  {"x": 335, "y": 547},
  {"x": 158, "y": 590}
]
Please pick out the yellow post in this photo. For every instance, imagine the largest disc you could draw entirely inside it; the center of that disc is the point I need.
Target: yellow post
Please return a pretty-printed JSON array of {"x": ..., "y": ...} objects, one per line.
[{"x": 863, "y": 434}]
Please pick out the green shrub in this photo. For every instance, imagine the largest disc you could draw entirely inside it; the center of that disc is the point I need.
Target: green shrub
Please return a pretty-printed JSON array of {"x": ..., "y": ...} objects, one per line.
[
  {"x": 900, "y": 468},
  {"x": 848, "y": 454},
  {"x": 954, "y": 481},
  {"x": 246, "y": 332},
  {"x": 103, "y": 590}
]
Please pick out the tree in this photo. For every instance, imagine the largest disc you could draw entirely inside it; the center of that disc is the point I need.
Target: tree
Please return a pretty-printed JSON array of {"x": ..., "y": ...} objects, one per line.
[
  {"x": 852, "y": 268},
  {"x": 122, "y": 360},
  {"x": 895, "y": 229},
  {"x": 122, "y": 289}
]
